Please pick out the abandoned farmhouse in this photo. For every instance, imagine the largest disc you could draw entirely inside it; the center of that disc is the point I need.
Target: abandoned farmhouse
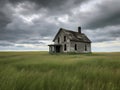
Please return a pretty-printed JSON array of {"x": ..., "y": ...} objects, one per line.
[{"x": 70, "y": 41}]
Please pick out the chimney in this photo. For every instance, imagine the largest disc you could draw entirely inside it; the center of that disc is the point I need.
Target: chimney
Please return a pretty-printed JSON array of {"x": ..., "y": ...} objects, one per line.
[{"x": 79, "y": 29}]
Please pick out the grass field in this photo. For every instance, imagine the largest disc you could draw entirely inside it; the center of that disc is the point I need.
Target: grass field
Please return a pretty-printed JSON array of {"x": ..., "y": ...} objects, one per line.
[{"x": 42, "y": 71}]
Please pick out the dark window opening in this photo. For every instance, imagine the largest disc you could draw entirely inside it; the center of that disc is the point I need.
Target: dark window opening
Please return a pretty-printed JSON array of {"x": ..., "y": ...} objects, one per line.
[
  {"x": 85, "y": 47},
  {"x": 57, "y": 49},
  {"x": 75, "y": 46},
  {"x": 65, "y": 48},
  {"x": 64, "y": 38},
  {"x": 58, "y": 40}
]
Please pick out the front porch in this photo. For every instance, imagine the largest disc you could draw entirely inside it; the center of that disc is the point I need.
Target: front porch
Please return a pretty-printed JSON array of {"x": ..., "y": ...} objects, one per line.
[{"x": 55, "y": 48}]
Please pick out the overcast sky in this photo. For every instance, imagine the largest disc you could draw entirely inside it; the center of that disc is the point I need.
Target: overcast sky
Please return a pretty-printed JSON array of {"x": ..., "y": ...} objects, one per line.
[{"x": 32, "y": 24}]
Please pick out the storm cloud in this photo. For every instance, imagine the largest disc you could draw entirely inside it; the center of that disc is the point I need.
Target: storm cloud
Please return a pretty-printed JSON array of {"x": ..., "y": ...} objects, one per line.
[{"x": 33, "y": 23}]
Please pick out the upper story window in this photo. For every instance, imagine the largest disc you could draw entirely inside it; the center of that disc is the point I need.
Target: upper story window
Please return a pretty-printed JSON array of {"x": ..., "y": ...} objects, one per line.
[
  {"x": 75, "y": 46},
  {"x": 58, "y": 40},
  {"x": 85, "y": 47},
  {"x": 64, "y": 38}
]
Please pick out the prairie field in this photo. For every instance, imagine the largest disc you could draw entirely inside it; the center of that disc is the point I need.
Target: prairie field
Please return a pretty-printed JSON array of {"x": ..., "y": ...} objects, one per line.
[{"x": 44, "y": 71}]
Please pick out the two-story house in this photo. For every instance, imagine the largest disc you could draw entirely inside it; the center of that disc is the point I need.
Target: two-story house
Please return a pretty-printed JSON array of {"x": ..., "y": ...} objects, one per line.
[{"x": 70, "y": 41}]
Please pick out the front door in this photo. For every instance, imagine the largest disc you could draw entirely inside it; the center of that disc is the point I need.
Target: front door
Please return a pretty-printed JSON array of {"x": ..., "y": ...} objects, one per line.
[{"x": 57, "y": 49}]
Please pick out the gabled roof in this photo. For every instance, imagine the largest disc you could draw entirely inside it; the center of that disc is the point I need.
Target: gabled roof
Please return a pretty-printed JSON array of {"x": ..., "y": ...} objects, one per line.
[{"x": 74, "y": 36}]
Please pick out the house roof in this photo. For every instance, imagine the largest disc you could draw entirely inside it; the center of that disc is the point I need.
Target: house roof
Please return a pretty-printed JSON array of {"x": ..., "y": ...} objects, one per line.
[
  {"x": 54, "y": 45},
  {"x": 74, "y": 36}
]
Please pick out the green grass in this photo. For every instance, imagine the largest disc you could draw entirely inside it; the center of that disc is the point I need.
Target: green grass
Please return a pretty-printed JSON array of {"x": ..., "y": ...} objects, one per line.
[{"x": 42, "y": 71}]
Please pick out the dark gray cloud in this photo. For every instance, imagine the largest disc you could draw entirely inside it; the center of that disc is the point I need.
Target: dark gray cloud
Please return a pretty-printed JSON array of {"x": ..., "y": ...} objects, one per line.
[
  {"x": 42, "y": 3},
  {"x": 32, "y": 42},
  {"x": 105, "y": 21},
  {"x": 36, "y": 21},
  {"x": 6, "y": 43},
  {"x": 4, "y": 20},
  {"x": 49, "y": 3},
  {"x": 108, "y": 13},
  {"x": 110, "y": 33}
]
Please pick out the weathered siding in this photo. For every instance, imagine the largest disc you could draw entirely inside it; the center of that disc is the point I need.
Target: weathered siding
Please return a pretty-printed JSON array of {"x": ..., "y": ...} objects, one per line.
[
  {"x": 80, "y": 47},
  {"x": 62, "y": 42}
]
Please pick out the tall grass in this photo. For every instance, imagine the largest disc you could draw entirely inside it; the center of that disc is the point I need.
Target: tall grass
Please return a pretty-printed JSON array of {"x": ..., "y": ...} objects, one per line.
[{"x": 42, "y": 71}]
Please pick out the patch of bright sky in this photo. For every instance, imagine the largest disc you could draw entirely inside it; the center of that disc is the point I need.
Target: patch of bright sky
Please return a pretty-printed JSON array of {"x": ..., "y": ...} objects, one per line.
[
  {"x": 86, "y": 7},
  {"x": 27, "y": 18},
  {"x": 106, "y": 46},
  {"x": 63, "y": 18}
]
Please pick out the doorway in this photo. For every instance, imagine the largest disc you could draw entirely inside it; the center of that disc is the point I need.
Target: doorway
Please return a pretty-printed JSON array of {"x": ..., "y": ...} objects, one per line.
[{"x": 57, "y": 49}]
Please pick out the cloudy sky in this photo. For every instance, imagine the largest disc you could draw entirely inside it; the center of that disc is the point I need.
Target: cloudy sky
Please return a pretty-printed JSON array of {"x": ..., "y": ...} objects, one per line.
[{"x": 32, "y": 24}]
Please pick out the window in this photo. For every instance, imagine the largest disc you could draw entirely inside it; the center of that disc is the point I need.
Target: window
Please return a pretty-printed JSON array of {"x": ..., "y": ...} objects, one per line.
[
  {"x": 64, "y": 38},
  {"x": 65, "y": 48},
  {"x": 85, "y": 47},
  {"x": 75, "y": 46},
  {"x": 58, "y": 40}
]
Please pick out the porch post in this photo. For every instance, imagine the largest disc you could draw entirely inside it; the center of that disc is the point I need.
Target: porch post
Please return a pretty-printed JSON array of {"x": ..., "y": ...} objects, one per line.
[{"x": 50, "y": 49}]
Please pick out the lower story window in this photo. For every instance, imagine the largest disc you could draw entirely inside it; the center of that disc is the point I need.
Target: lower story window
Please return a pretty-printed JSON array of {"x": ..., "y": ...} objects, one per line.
[
  {"x": 75, "y": 46},
  {"x": 65, "y": 48},
  {"x": 85, "y": 47}
]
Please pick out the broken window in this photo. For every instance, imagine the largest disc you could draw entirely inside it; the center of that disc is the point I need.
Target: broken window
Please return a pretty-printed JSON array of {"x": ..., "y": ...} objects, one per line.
[
  {"x": 65, "y": 48},
  {"x": 58, "y": 40},
  {"x": 64, "y": 38},
  {"x": 75, "y": 46},
  {"x": 85, "y": 47}
]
